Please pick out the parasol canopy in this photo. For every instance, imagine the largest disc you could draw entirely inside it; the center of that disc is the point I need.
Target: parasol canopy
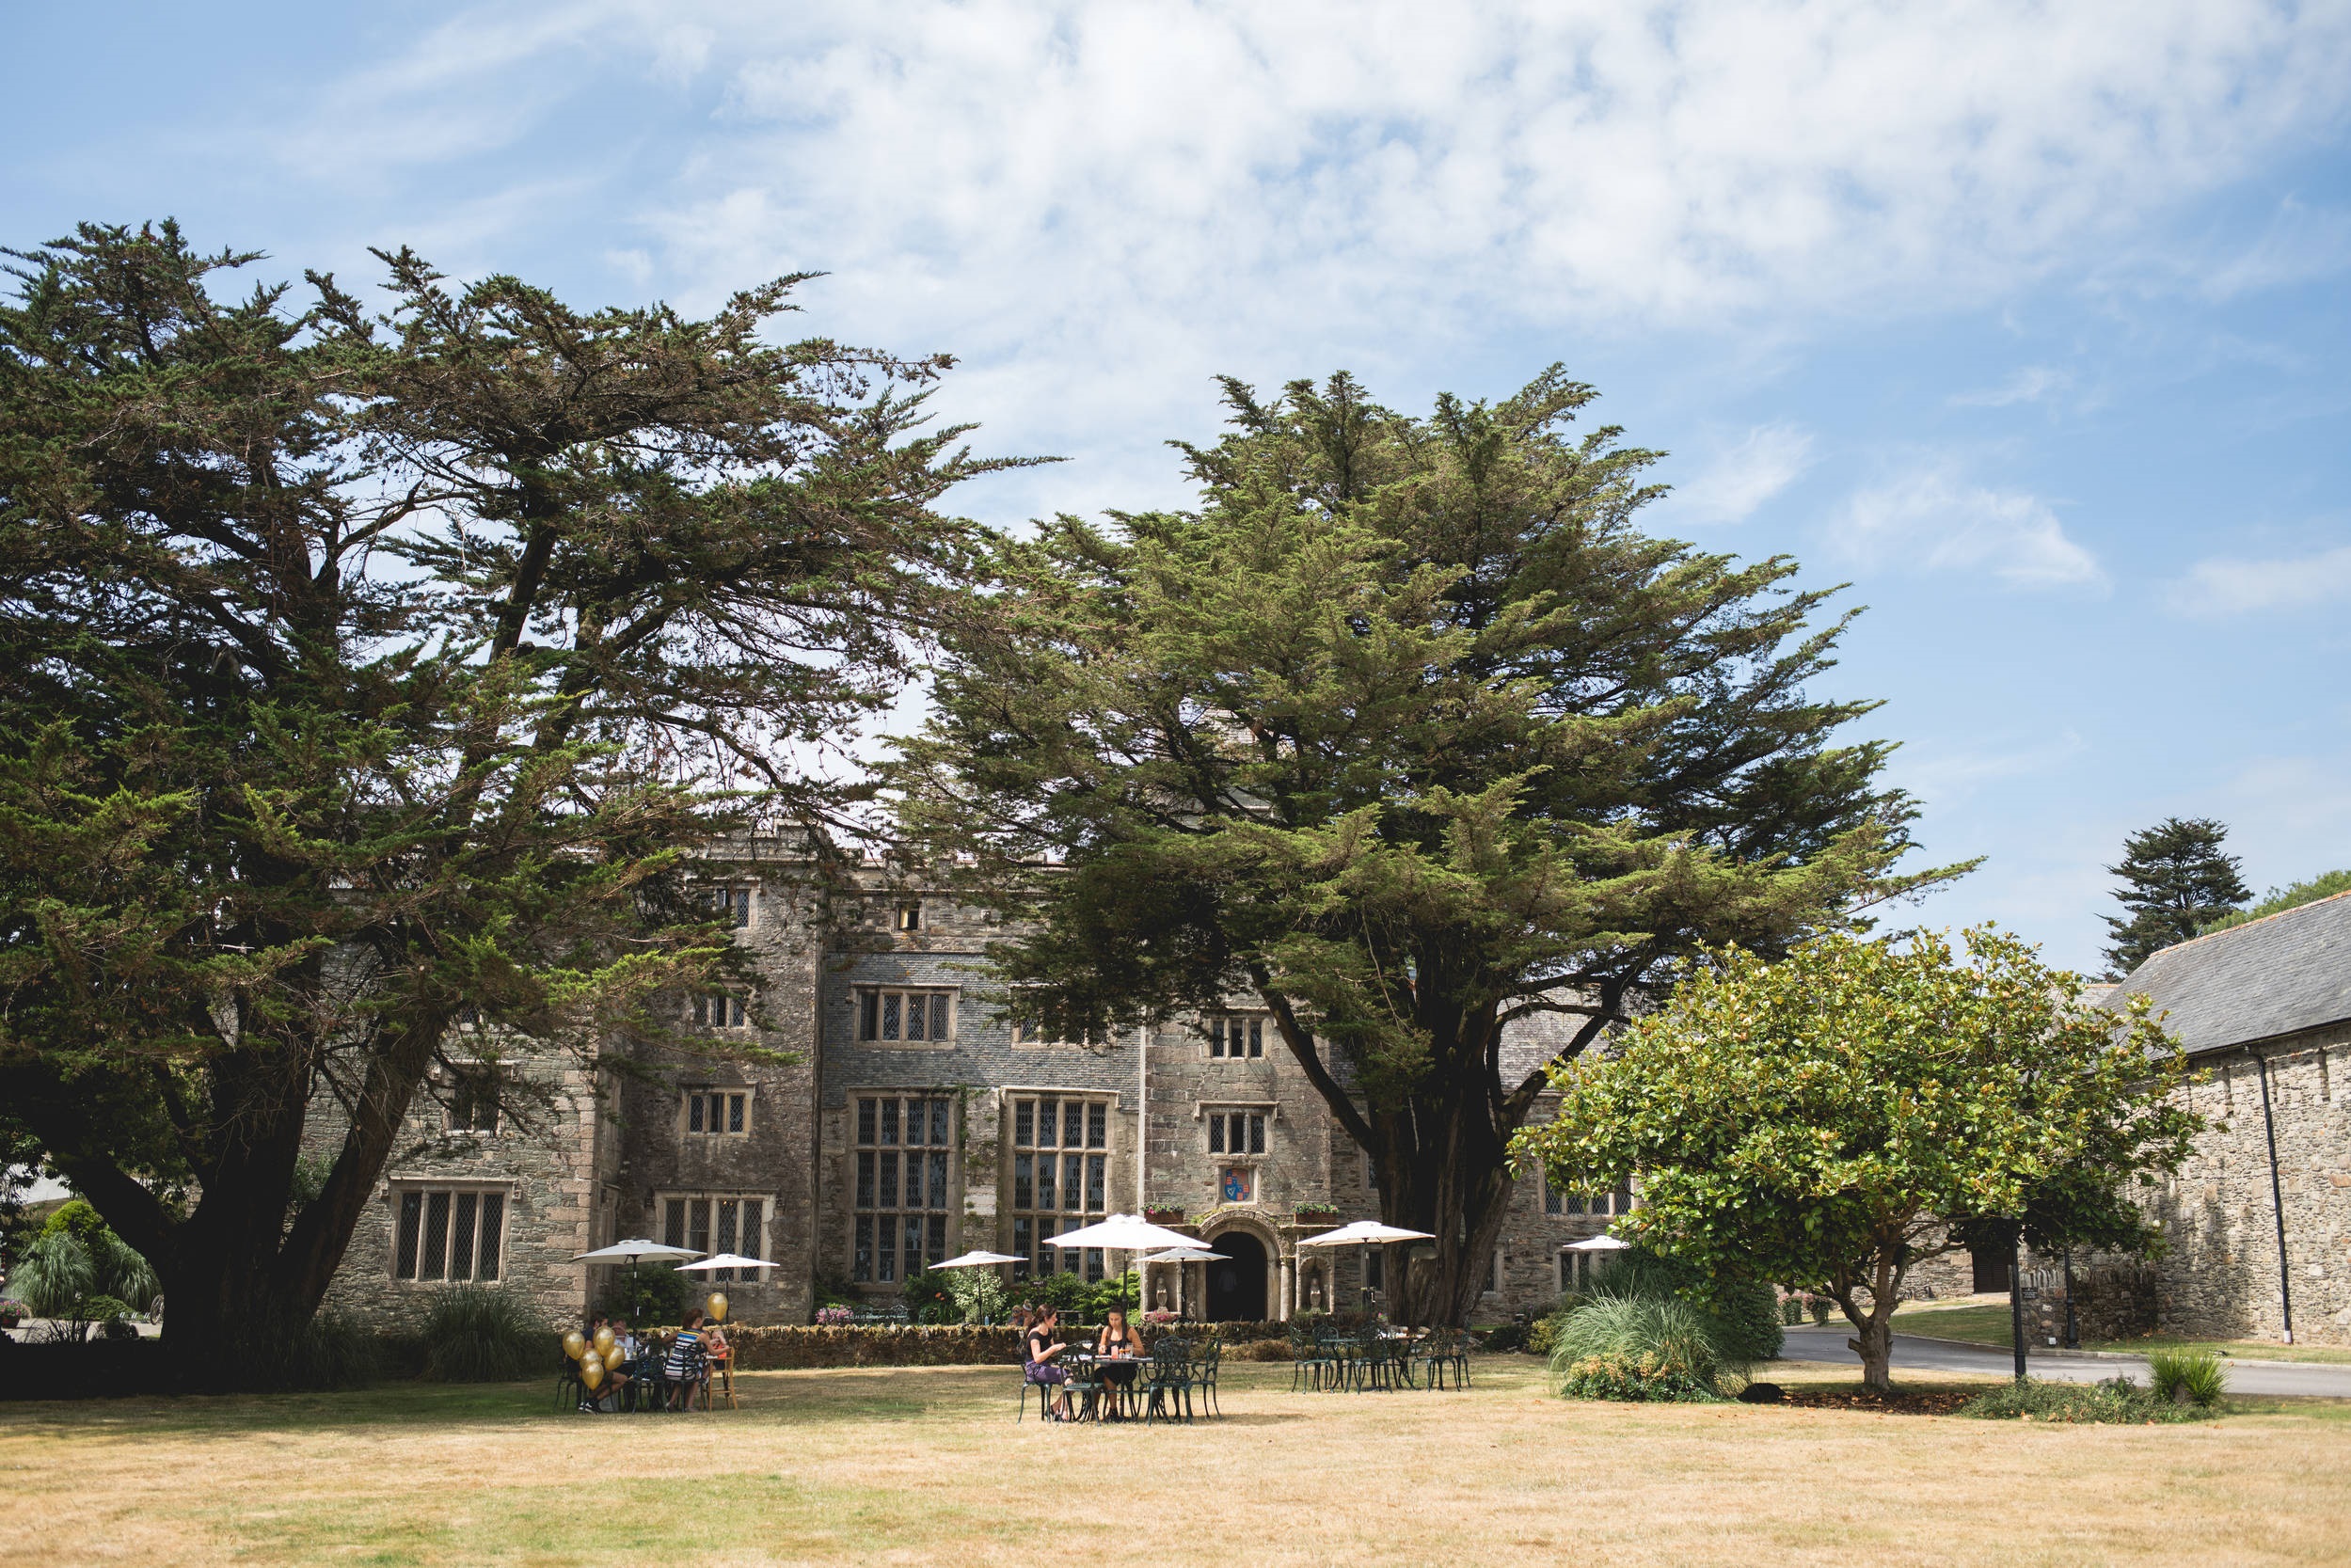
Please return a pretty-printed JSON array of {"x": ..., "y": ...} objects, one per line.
[
  {"x": 726, "y": 1260},
  {"x": 1365, "y": 1233}
]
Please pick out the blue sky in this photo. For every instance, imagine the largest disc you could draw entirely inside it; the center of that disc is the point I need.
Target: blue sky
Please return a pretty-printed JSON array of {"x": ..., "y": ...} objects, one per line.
[{"x": 2030, "y": 323}]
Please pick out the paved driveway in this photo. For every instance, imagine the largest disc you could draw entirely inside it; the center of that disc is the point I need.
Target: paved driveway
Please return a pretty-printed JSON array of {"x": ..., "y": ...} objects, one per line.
[{"x": 1912, "y": 1354}]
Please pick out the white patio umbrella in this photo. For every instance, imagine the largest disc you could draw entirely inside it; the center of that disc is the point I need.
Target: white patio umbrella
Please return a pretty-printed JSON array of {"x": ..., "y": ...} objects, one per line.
[
  {"x": 1366, "y": 1233},
  {"x": 1125, "y": 1233},
  {"x": 725, "y": 1260},
  {"x": 1600, "y": 1244},
  {"x": 632, "y": 1252},
  {"x": 979, "y": 1259}
]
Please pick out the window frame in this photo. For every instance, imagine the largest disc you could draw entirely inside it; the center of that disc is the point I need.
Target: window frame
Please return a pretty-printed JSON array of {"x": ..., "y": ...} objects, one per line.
[
  {"x": 867, "y": 1264},
  {"x": 1023, "y": 1031},
  {"x": 457, "y": 1194},
  {"x": 1094, "y": 1158},
  {"x": 714, "y": 1228},
  {"x": 457, "y": 1081},
  {"x": 737, "y": 1106},
  {"x": 869, "y": 1010},
  {"x": 1221, "y": 1028},
  {"x": 731, "y": 901},
  {"x": 732, "y": 1009}
]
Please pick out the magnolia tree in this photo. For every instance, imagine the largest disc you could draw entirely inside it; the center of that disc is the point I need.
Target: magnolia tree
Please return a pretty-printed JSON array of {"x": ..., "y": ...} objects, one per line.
[{"x": 1829, "y": 1121}]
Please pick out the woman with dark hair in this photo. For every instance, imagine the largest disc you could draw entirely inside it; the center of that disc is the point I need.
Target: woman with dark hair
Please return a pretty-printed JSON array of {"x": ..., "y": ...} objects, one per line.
[
  {"x": 1043, "y": 1351},
  {"x": 1122, "y": 1346}
]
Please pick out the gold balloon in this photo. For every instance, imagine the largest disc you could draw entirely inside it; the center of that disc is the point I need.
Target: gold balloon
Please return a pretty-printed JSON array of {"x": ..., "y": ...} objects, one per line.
[
  {"x": 718, "y": 1307},
  {"x": 604, "y": 1341},
  {"x": 575, "y": 1344},
  {"x": 591, "y": 1372}
]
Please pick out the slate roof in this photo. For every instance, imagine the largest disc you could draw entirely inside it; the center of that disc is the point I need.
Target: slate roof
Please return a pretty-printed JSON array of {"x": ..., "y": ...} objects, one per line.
[{"x": 2277, "y": 975}]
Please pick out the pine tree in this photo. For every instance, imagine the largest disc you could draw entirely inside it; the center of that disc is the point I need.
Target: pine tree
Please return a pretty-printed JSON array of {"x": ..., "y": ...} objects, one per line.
[
  {"x": 1407, "y": 734},
  {"x": 358, "y": 670},
  {"x": 2176, "y": 882}
]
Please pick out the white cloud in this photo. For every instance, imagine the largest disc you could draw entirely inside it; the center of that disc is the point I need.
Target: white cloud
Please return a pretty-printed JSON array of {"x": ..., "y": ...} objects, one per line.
[
  {"x": 2028, "y": 385},
  {"x": 1934, "y": 520},
  {"x": 1737, "y": 482},
  {"x": 1098, "y": 205},
  {"x": 2218, "y": 586}
]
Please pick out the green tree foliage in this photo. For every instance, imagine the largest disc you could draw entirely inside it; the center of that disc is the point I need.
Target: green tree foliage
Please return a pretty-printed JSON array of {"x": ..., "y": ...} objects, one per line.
[
  {"x": 1828, "y": 1122},
  {"x": 2280, "y": 899},
  {"x": 2176, "y": 882},
  {"x": 77, "y": 1270},
  {"x": 355, "y": 670},
  {"x": 1407, "y": 734},
  {"x": 1745, "y": 1310}
]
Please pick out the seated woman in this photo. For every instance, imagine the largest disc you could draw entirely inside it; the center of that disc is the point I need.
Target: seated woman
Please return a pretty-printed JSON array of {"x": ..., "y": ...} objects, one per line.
[
  {"x": 1042, "y": 1349},
  {"x": 687, "y": 1366},
  {"x": 1123, "y": 1345}
]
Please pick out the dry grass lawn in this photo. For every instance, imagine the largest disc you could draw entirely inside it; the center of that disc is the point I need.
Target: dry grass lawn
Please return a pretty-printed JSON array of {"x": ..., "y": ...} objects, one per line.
[{"x": 926, "y": 1466}]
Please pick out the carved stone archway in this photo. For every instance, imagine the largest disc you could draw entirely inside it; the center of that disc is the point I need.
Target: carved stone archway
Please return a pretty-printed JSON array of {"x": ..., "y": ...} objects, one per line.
[{"x": 1281, "y": 1263}]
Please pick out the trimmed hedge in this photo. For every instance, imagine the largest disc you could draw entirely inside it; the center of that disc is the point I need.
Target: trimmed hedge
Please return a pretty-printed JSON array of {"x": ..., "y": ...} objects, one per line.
[{"x": 793, "y": 1347}]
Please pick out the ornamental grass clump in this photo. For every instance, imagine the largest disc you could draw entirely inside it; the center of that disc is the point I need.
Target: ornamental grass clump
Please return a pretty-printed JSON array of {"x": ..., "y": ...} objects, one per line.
[
  {"x": 474, "y": 1335},
  {"x": 2187, "y": 1376},
  {"x": 1642, "y": 1348}
]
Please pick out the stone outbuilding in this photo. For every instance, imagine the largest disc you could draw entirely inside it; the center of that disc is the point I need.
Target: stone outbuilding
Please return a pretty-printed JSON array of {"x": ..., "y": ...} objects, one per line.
[{"x": 2259, "y": 1219}]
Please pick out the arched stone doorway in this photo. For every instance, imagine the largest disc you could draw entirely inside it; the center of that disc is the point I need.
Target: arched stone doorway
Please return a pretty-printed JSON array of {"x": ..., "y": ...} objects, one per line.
[{"x": 1236, "y": 1288}]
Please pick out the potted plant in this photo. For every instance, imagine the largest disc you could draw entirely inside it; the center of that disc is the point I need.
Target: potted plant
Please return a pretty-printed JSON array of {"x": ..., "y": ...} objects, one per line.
[
  {"x": 1315, "y": 1216},
  {"x": 1163, "y": 1213}
]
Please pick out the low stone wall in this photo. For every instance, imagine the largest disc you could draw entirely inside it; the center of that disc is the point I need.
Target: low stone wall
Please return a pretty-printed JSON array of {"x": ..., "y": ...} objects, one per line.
[{"x": 2112, "y": 1300}]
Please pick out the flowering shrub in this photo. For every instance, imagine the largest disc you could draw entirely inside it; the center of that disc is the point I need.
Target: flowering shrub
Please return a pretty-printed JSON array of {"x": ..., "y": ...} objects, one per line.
[
  {"x": 12, "y": 1313},
  {"x": 832, "y": 1317},
  {"x": 1649, "y": 1376}
]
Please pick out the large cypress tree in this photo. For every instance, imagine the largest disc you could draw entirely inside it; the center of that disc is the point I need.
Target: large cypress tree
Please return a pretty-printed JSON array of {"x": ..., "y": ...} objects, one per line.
[
  {"x": 2176, "y": 880},
  {"x": 1411, "y": 732},
  {"x": 360, "y": 668}
]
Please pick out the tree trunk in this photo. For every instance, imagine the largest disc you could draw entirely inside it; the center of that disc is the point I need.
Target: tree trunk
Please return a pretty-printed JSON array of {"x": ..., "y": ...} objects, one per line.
[
  {"x": 1442, "y": 1158},
  {"x": 241, "y": 1284},
  {"x": 1873, "y": 1331},
  {"x": 1874, "y": 1341}
]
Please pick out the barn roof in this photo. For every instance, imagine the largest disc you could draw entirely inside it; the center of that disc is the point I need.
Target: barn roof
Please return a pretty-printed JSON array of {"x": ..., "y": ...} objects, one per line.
[{"x": 2277, "y": 975}]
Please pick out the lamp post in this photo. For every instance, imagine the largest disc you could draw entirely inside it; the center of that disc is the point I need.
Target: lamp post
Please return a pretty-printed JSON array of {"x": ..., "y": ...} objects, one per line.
[
  {"x": 2073, "y": 1322},
  {"x": 2016, "y": 1296}
]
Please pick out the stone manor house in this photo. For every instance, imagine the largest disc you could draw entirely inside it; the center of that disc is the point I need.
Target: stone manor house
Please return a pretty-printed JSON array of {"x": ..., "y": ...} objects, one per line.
[{"x": 917, "y": 1118}]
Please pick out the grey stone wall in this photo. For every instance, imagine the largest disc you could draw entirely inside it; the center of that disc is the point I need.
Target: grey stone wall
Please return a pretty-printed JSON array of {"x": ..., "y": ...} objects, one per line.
[
  {"x": 590, "y": 1174},
  {"x": 774, "y": 1158},
  {"x": 2220, "y": 1277},
  {"x": 545, "y": 1160}
]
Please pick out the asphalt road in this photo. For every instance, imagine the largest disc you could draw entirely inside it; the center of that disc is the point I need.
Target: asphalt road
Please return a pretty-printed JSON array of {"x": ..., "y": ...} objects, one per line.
[{"x": 1912, "y": 1354}]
